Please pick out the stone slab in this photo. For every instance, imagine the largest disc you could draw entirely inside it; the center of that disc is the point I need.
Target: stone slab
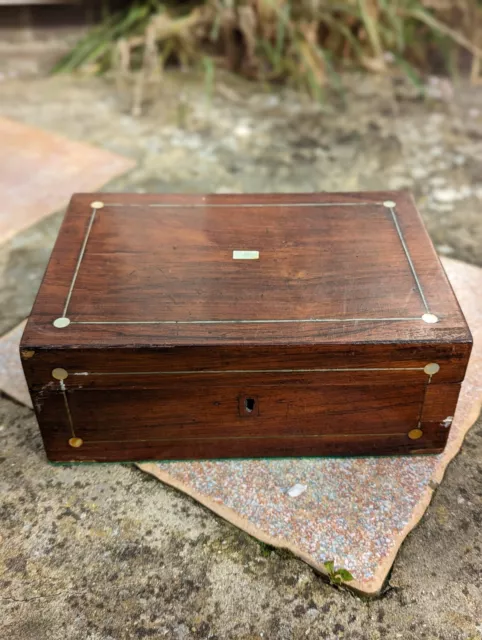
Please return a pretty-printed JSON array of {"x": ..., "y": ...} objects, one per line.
[
  {"x": 40, "y": 170},
  {"x": 12, "y": 381},
  {"x": 355, "y": 511}
]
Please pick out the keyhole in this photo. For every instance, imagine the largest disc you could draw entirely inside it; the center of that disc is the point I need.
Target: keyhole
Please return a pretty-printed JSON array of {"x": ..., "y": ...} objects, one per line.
[{"x": 249, "y": 405}]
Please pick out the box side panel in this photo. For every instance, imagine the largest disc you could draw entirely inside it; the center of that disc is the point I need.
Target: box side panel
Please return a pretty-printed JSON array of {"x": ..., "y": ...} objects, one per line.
[
  {"x": 429, "y": 275},
  {"x": 439, "y": 405}
]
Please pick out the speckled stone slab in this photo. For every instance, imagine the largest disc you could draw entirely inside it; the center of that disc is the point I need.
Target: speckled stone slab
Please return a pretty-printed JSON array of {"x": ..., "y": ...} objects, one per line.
[
  {"x": 12, "y": 380},
  {"x": 355, "y": 511},
  {"x": 40, "y": 170}
]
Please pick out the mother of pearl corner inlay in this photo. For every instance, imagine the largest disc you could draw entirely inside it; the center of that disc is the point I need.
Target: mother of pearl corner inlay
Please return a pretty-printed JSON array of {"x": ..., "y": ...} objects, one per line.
[
  {"x": 429, "y": 318},
  {"x": 61, "y": 323}
]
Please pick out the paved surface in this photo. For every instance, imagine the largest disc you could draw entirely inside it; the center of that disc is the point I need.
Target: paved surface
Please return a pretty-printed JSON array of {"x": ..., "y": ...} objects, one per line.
[
  {"x": 107, "y": 552},
  {"x": 12, "y": 379},
  {"x": 39, "y": 171},
  {"x": 354, "y": 511}
]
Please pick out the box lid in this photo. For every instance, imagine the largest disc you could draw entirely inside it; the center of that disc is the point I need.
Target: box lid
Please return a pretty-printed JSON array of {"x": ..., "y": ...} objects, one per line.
[{"x": 132, "y": 270}]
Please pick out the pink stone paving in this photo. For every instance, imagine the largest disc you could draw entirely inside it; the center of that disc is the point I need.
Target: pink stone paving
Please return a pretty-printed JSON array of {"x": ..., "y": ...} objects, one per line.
[
  {"x": 40, "y": 170},
  {"x": 12, "y": 381},
  {"x": 355, "y": 511}
]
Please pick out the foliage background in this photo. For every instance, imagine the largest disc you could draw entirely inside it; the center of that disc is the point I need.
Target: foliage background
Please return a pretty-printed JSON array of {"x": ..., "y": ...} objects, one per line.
[{"x": 303, "y": 42}]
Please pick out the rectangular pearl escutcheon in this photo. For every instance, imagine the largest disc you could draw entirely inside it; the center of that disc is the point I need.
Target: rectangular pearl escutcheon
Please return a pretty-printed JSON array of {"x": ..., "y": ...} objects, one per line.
[{"x": 245, "y": 255}]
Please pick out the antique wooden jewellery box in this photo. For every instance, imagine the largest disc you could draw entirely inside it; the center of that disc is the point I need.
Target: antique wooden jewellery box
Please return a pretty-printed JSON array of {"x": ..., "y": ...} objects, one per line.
[{"x": 219, "y": 326}]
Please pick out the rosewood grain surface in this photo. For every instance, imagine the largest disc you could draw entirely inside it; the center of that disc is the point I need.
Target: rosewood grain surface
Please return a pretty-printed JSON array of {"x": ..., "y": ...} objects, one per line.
[
  {"x": 204, "y": 411},
  {"x": 176, "y": 350},
  {"x": 379, "y": 362},
  {"x": 290, "y": 446},
  {"x": 332, "y": 273}
]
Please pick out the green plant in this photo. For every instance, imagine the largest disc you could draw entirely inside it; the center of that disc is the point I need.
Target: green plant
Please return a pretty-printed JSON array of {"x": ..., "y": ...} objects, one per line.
[
  {"x": 265, "y": 549},
  {"x": 209, "y": 71},
  {"x": 99, "y": 43},
  {"x": 304, "y": 43},
  {"x": 337, "y": 576}
]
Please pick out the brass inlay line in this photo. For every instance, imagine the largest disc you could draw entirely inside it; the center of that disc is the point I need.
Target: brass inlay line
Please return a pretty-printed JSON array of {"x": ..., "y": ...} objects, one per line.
[
  {"x": 244, "y": 205},
  {"x": 409, "y": 259},
  {"x": 79, "y": 260},
  {"x": 318, "y": 435},
  {"x": 422, "y": 406},
  {"x": 67, "y": 407},
  {"x": 209, "y": 371},
  {"x": 307, "y": 320}
]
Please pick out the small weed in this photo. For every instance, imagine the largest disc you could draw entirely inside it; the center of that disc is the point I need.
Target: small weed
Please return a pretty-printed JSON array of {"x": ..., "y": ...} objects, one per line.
[
  {"x": 265, "y": 549},
  {"x": 208, "y": 66},
  {"x": 337, "y": 576}
]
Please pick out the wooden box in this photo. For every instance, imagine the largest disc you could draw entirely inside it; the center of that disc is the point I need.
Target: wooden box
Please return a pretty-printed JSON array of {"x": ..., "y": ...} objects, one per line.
[{"x": 223, "y": 326}]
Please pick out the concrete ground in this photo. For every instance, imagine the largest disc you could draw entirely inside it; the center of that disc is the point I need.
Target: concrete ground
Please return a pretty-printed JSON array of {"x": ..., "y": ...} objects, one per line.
[{"x": 107, "y": 552}]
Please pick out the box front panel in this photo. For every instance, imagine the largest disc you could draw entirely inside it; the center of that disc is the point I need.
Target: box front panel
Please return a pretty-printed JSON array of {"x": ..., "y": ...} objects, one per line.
[{"x": 195, "y": 418}]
